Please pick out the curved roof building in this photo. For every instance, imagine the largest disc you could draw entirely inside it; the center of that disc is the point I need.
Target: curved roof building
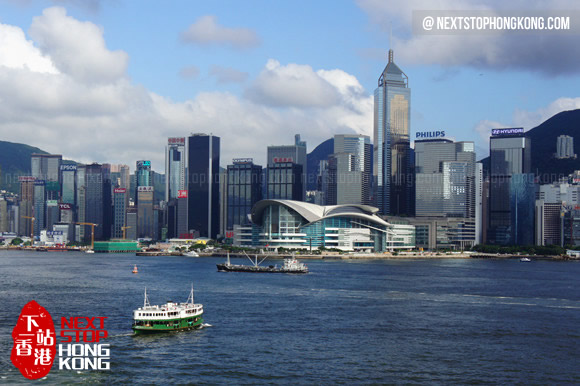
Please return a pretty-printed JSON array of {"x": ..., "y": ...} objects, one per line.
[{"x": 302, "y": 225}]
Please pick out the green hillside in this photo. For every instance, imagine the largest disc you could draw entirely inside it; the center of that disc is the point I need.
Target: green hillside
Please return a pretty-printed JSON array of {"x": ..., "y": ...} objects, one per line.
[{"x": 15, "y": 162}]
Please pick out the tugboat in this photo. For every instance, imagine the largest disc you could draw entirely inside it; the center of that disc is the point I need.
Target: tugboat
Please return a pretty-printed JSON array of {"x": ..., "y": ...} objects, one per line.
[
  {"x": 167, "y": 317},
  {"x": 291, "y": 265}
]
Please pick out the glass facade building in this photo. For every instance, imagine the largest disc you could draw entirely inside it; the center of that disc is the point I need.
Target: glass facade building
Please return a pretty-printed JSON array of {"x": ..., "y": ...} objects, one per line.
[
  {"x": 391, "y": 156},
  {"x": 97, "y": 197},
  {"x": 509, "y": 155},
  {"x": 284, "y": 181},
  {"x": 175, "y": 167},
  {"x": 353, "y": 168},
  {"x": 244, "y": 187},
  {"x": 120, "y": 201},
  {"x": 300, "y": 225},
  {"x": 203, "y": 184},
  {"x": 291, "y": 154},
  {"x": 444, "y": 178}
]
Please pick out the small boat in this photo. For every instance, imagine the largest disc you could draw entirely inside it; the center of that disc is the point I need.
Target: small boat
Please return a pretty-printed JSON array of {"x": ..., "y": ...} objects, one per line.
[
  {"x": 167, "y": 317},
  {"x": 291, "y": 265},
  {"x": 191, "y": 254},
  {"x": 89, "y": 251},
  {"x": 135, "y": 269},
  {"x": 525, "y": 259}
]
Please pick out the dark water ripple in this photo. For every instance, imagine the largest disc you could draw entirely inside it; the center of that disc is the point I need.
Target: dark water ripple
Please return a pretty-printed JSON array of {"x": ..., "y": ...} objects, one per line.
[{"x": 348, "y": 322}]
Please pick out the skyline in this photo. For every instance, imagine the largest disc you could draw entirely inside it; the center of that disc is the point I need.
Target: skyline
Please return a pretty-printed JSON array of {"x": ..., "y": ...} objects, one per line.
[{"x": 137, "y": 73}]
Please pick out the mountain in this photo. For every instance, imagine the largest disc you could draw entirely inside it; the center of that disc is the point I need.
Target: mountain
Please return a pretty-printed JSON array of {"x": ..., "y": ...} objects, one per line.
[
  {"x": 15, "y": 162},
  {"x": 321, "y": 152},
  {"x": 543, "y": 139}
]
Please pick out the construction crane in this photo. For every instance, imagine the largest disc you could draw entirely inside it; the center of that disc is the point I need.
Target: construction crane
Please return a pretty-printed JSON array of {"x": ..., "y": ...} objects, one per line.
[
  {"x": 124, "y": 229},
  {"x": 92, "y": 225},
  {"x": 31, "y": 229}
]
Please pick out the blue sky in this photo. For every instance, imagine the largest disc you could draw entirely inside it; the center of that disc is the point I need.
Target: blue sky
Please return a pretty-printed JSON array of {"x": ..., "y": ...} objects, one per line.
[{"x": 110, "y": 80}]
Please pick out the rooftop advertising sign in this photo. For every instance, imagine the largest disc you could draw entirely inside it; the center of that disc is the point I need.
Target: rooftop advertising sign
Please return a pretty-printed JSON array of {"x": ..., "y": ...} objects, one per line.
[
  {"x": 430, "y": 134},
  {"x": 509, "y": 131}
]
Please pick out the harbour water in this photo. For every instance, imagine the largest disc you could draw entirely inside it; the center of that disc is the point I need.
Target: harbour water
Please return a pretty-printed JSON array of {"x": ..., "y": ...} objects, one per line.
[{"x": 351, "y": 322}]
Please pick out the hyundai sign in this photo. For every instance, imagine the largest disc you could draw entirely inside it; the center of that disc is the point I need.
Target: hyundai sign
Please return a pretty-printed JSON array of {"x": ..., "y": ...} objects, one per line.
[
  {"x": 430, "y": 134},
  {"x": 510, "y": 131}
]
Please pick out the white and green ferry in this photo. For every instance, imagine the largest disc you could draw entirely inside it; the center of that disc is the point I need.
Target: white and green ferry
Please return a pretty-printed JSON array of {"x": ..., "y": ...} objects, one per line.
[{"x": 167, "y": 317}]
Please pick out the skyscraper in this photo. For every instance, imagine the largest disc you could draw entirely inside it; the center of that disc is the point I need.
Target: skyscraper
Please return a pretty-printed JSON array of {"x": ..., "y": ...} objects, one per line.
[
  {"x": 294, "y": 154},
  {"x": 175, "y": 167},
  {"x": 143, "y": 177},
  {"x": 445, "y": 178},
  {"x": 510, "y": 182},
  {"x": 97, "y": 199},
  {"x": 203, "y": 184},
  {"x": 392, "y": 123},
  {"x": 120, "y": 204},
  {"x": 244, "y": 189},
  {"x": 176, "y": 187},
  {"x": 565, "y": 147},
  {"x": 46, "y": 170},
  {"x": 353, "y": 168},
  {"x": 284, "y": 181}
]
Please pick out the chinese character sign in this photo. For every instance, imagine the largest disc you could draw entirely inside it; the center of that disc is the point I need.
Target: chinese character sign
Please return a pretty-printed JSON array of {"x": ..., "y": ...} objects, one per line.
[{"x": 34, "y": 341}]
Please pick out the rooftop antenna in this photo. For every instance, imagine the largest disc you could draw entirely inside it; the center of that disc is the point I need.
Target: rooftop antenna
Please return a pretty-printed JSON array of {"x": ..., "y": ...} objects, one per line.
[{"x": 390, "y": 42}]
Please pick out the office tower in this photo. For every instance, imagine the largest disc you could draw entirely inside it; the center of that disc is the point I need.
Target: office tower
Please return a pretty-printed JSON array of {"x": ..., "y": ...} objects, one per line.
[
  {"x": 3, "y": 215},
  {"x": 391, "y": 159},
  {"x": 81, "y": 195},
  {"x": 39, "y": 206},
  {"x": 97, "y": 197},
  {"x": 26, "y": 205},
  {"x": 549, "y": 223},
  {"x": 176, "y": 187},
  {"x": 224, "y": 201},
  {"x": 203, "y": 184},
  {"x": 121, "y": 176},
  {"x": 175, "y": 167},
  {"x": 145, "y": 220},
  {"x": 444, "y": 178},
  {"x": 510, "y": 156},
  {"x": 565, "y": 147},
  {"x": 284, "y": 181},
  {"x": 478, "y": 203},
  {"x": 120, "y": 204},
  {"x": 291, "y": 154},
  {"x": 68, "y": 175},
  {"x": 244, "y": 189},
  {"x": 353, "y": 168},
  {"x": 131, "y": 233},
  {"x": 45, "y": 168},
  {"x": 445, "y": 191},
  {"x": 143, "y": 177}
]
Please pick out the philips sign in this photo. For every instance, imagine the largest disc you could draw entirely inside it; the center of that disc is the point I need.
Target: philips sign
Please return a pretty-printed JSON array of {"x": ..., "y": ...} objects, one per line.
[
  {"x": 430, "y": 134},
  {"x": 511, "y": 131}
]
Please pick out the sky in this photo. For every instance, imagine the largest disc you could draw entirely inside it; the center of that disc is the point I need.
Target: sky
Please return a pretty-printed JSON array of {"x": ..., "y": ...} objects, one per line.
[{"x": 109, "y": 81}]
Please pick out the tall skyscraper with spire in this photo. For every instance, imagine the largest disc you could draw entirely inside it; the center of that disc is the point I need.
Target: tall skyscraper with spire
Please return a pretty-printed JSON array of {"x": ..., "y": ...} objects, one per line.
[{"x": 392, "y": 176}]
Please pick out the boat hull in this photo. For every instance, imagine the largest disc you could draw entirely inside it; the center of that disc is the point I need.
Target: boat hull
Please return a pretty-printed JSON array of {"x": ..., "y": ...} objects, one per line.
[
  {"x": 162, "y": 326},
  {"x": 251, "y": 268}
]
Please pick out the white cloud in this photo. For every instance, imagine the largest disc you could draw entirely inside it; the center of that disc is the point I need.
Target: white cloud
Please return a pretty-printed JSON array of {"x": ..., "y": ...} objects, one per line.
[
  {"x": 17, "y": 52},
  {"x": 206, "y": 31},
  {"x": 98, "y": 115},
  {"x": 77, "y": 48},
  {"x": 546, "y": 53},
  {"x": 189, "y": 72},
  {"x": 228, "y": 75},
  {"x": 292, "y": 85}
]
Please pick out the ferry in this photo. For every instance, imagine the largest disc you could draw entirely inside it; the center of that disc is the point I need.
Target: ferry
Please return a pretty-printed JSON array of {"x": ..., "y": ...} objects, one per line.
[
  {"x": 167, "y": 317},
  {"x": 291, "y": 265}
]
